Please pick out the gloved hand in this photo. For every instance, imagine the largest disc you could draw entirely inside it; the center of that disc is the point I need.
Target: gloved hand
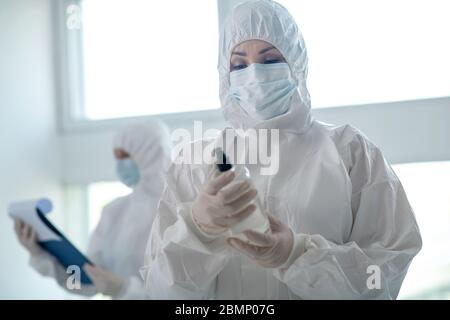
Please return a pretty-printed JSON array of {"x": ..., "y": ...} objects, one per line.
[
  {"x": 27, "y": 237},
  {"x": 216, "y": 209},
  {"x": 104, "y": 281},
  {"x": 271, "y": 249}
]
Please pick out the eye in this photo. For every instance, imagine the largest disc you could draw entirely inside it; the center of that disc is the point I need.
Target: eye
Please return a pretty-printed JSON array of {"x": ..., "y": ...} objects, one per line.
[
  {"x": 272, "y": 61},
  {"x": 238, "y": 67}
]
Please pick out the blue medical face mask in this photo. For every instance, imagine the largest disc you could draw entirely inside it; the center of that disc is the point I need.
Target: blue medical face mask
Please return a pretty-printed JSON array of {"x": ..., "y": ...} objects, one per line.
[
  {"x": 264, "y": 91},
  {"x": 128, "y": 172}
]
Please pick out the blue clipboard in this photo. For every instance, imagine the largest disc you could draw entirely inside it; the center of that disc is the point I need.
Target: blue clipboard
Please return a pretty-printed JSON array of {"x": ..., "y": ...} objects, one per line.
[
  {"x": 64, "y": 251},
  {"x": 50, "y": 238}
]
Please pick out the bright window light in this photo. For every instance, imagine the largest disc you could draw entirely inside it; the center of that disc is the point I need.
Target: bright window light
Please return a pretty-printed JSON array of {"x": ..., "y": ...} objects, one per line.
[
  {"x": 146, "y": 57},
  {"x": 99, "y": 195},
  {"x": 427, "y": 186},
  {"x": 364, "y": 51}
]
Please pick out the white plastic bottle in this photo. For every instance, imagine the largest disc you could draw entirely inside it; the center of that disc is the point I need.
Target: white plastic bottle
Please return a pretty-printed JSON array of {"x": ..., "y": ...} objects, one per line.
[{"x": 258, "y": 220}]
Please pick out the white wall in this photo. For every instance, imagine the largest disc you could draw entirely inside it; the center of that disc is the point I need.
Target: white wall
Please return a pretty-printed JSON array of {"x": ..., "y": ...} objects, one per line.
[{"x": 29, "y": 152}]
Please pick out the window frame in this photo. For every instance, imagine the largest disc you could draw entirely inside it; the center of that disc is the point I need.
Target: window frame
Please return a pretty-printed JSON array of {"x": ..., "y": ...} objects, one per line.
[
  {"x": 398, "y": 118},
  {"x": 69, "y": 75}
]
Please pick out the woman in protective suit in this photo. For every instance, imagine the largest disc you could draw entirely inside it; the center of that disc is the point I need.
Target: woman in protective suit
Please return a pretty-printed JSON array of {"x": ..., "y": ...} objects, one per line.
[
  {"x": 117, "y": 245},
  {"x": 341, "y": 226}
]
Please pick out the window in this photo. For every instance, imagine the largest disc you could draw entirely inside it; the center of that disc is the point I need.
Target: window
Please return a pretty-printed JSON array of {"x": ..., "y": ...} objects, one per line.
[
  {"x": 142, "y": 57},
  {"x": 374, "y": 51},
  {"x": 427, "y": 186},
  {"x": 99, "y": 195},
  {"x": 137, "y": 57}
]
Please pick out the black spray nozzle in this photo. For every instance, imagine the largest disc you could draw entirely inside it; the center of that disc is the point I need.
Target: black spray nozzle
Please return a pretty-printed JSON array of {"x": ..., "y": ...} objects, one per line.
[{"x": 223, "y": 163}]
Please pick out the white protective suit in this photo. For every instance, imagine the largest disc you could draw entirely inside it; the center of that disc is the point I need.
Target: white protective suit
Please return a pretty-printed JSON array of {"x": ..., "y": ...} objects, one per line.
[
  {"x": 334, "y": 189},
  {"x": 118, "y": 242}
]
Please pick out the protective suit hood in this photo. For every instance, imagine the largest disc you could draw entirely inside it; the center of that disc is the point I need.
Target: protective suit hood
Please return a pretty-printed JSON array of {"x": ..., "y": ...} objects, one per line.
[
  {"x": 148, "y": 144},
  {"x": 268, "y": 21}
]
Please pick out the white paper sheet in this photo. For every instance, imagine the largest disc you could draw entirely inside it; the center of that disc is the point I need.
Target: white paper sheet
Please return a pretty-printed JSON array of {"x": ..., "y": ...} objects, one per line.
[{"x": 27, "y": 211}]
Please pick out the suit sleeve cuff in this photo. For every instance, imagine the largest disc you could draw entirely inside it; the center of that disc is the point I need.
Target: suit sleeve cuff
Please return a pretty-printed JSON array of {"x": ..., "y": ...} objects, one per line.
[
  {"x": 197, "y": 230},
  {"x": 298, "y": 248}
]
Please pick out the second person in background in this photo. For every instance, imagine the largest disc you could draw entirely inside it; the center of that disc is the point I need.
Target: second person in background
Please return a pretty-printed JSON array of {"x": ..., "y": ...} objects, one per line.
[{"x": 117, "y": 245}]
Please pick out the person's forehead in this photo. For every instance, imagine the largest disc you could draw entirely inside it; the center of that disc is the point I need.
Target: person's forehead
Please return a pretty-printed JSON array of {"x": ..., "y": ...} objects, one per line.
[{"x": 251, "y": 44}]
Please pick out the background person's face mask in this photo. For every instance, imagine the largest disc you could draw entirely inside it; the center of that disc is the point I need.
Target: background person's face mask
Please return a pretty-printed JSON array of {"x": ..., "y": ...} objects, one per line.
[
  {"x": 264, "y": 91},
  {"x": 128, "y": 172}
]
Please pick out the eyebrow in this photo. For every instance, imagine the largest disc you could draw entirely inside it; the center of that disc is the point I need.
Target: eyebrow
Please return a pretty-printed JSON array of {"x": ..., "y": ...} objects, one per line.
[
  {"x": 266, "y": 49},
  {"x": 239, "y": 53},
  {"x": 243, "y": 54}
]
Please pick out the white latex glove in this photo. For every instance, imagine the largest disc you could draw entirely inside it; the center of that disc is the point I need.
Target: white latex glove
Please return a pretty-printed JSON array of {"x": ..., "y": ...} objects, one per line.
[
  {"x": 27, "y": 237},
  {"x": 270, "y": 250},
  {"x": 104, "y": 281},
  {"x": 216, "y": 209}
]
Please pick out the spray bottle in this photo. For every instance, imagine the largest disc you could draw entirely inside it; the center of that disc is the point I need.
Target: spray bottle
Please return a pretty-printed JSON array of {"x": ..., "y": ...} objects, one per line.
[{"x": 258, "y": 220}]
